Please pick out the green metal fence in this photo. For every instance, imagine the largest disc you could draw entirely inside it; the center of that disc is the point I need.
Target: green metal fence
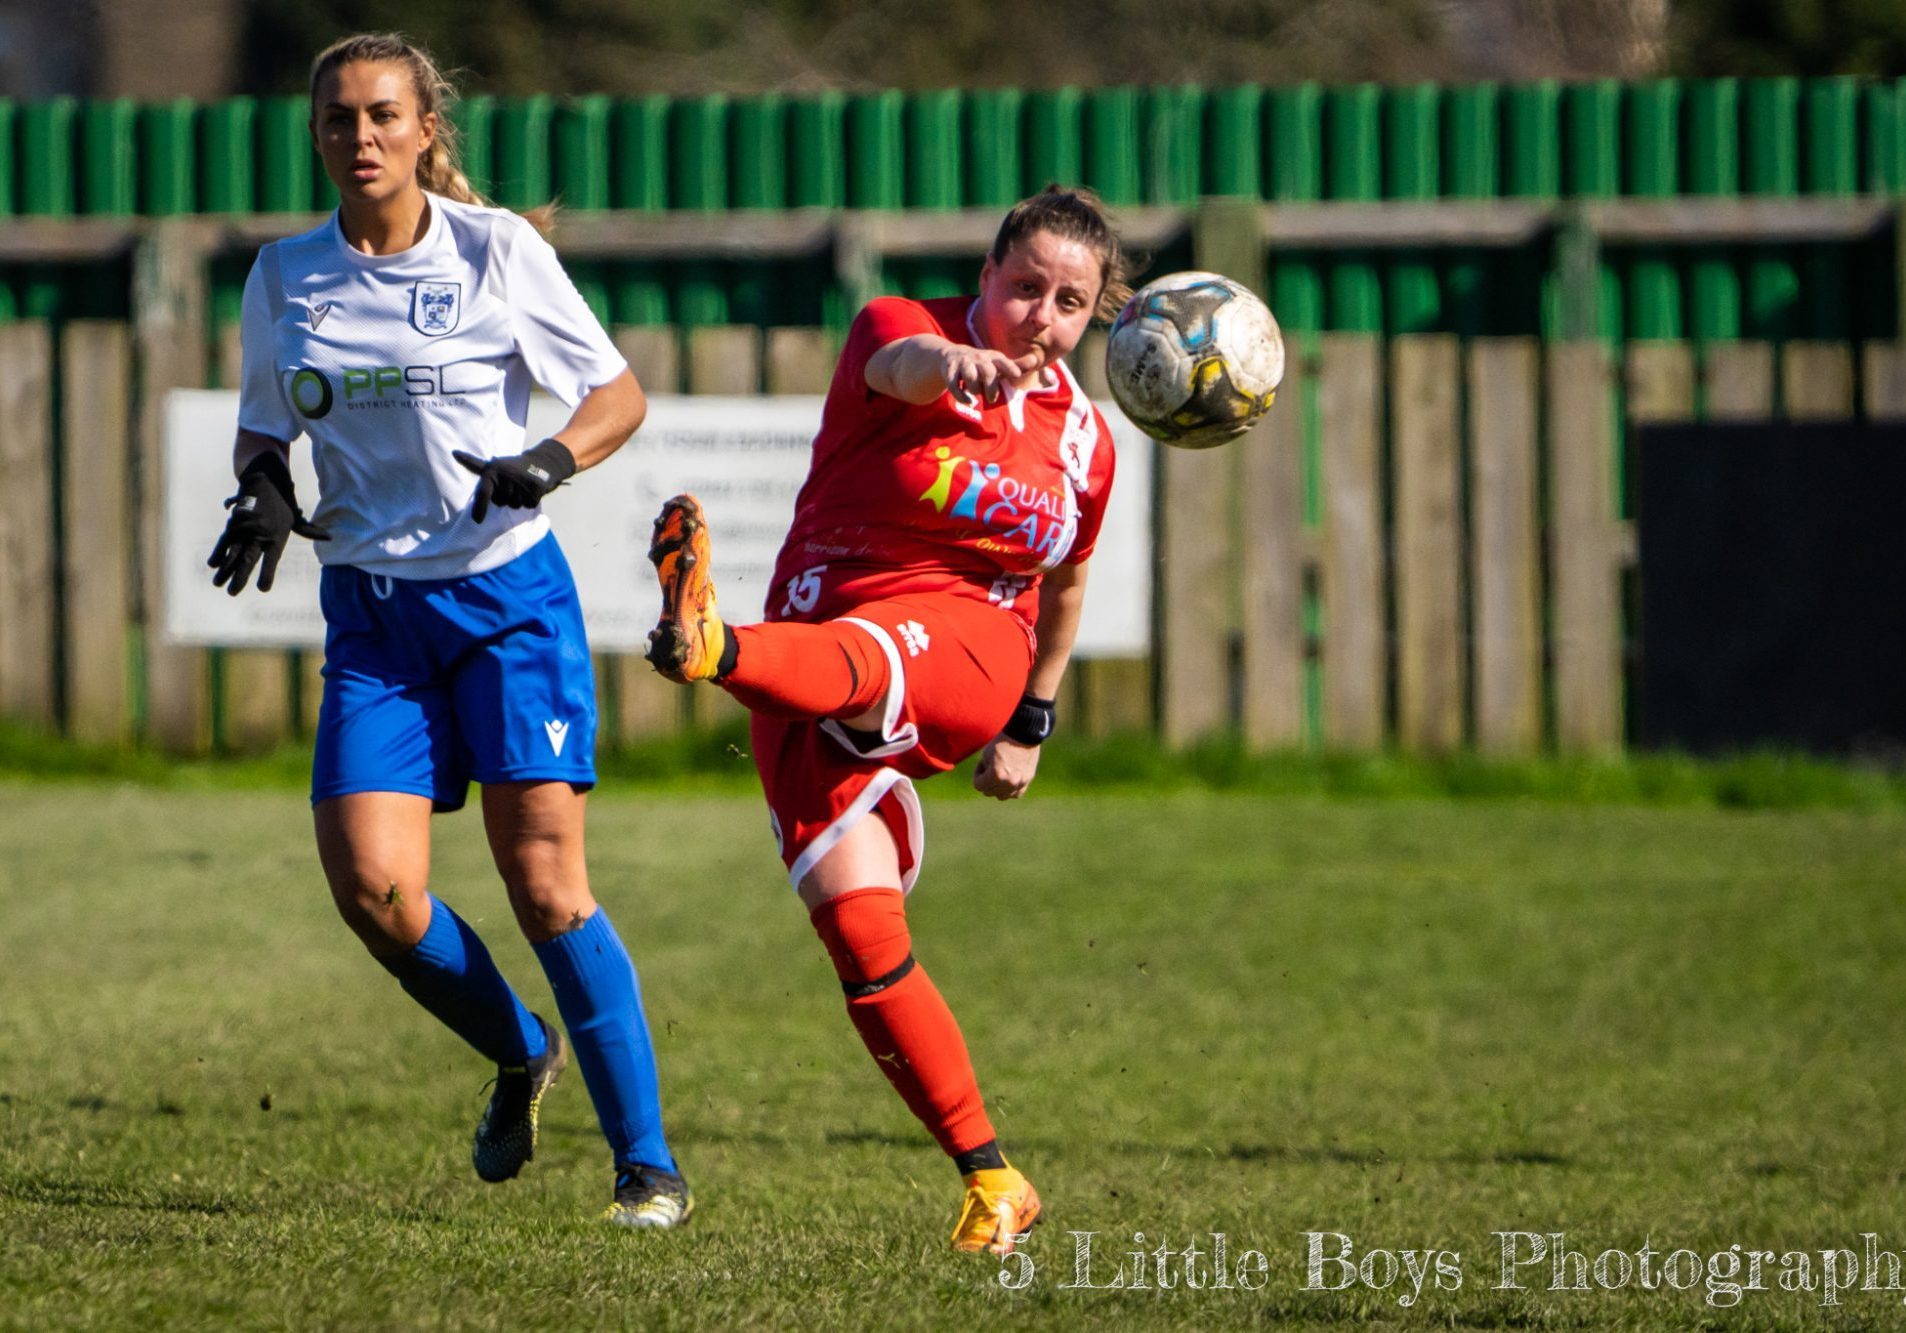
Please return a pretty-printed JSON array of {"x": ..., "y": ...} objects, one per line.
[{"x": 1157, "y": 145}]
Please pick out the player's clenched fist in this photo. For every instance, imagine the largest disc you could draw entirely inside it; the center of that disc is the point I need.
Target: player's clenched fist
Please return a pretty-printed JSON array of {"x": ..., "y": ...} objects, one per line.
[
  {"x": 1005, "y": 769},
  {"x": 980, "y": 373}
]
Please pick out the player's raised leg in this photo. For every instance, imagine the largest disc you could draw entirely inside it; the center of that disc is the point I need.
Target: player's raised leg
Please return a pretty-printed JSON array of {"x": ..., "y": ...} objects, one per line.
[
  {"x": 787, "y": 669},
  {"x": 854, "y": 900},
  {"x": 536, "y": 837},
  {"x": 375, "y": 847}
]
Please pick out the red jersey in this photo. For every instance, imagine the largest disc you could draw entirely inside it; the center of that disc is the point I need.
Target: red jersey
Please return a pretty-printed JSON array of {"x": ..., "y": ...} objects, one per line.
[{"x": 971, "y": 498}]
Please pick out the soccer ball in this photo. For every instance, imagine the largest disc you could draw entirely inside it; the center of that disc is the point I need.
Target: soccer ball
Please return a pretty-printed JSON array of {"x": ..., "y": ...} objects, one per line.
[{"x": 1194, "y": 359}]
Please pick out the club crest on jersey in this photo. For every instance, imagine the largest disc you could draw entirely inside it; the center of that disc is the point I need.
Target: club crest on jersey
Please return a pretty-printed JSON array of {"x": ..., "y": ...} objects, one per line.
[{"x": 435, "y": 307}]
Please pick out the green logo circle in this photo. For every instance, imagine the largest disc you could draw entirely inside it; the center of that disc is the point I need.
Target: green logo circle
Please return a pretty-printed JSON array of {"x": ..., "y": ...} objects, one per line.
[{"x": 311, "y": 394}]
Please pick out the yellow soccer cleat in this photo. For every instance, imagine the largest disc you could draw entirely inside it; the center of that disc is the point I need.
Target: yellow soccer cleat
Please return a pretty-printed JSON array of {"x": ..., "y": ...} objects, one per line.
[
  {"x": 1000, "y": 1207},
  {"x": 647, "y": 1197},
  {"x": 686, "y": 643}
]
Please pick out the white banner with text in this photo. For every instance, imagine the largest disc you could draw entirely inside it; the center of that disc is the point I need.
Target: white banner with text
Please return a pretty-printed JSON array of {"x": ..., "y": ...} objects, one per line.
[{"x": 744, "y": 458}]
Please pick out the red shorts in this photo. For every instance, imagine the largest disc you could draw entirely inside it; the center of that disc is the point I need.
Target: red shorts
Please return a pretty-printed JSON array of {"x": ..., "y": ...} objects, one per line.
[{"x": 959, "y": 668}]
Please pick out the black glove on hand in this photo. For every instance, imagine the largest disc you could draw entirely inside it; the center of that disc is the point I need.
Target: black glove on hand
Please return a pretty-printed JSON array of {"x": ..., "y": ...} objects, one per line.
[
  {"x": 521, "y": 481},
  {"x": 264, "y": 515}
]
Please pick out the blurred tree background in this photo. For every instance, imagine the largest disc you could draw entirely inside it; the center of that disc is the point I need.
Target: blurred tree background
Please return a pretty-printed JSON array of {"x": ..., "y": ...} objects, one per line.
[
  {"x": 517, "y": 46},
  {"x": 208, "y": 48},
  {"x": 1790, "y": 37},
  {"x": 680, "y": 46}
]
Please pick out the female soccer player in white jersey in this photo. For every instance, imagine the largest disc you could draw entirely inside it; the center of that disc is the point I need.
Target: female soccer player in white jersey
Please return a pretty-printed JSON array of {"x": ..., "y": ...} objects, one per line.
[
  {"x": 923, "y": 609},
  {"x": 403, "y": 336}
]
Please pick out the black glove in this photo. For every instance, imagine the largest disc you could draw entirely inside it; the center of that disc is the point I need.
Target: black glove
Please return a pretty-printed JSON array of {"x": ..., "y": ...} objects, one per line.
[
  {"x": 520, "y": 481},
  {"x": 264, "y": 515}
]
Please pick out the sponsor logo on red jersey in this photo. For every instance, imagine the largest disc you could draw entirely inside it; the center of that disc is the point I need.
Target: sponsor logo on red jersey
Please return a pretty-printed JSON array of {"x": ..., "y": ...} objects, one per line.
[{"x": 1016, "y": 516}]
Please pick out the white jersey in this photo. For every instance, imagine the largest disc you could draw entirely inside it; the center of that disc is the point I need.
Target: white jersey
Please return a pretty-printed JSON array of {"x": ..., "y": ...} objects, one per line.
[{"x": 390, "y": 362}]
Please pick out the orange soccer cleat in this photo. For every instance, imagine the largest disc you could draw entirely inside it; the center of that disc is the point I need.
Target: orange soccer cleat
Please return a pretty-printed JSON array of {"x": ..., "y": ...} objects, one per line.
[
  {"x": 1000, "y": 1207},
  {"x": 687, "y": 642}
]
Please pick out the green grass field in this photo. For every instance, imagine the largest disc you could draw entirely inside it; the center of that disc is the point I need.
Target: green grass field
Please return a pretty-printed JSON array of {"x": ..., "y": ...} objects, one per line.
[{"x": 1415, "y": 1023}]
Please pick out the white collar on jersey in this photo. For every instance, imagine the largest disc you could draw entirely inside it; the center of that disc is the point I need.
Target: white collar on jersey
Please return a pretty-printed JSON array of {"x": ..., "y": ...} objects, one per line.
[{"x": 409, "y": 253}]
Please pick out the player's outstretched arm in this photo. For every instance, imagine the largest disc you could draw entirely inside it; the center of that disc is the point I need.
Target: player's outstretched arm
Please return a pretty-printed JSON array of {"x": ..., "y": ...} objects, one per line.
[
  {"x": 604, "y": 420},
  {"x": 919, "y": 369},
  {"x": 1010, "y": 759}
]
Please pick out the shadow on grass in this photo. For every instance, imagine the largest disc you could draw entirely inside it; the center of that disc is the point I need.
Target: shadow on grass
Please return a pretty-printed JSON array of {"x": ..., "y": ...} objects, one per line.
[
  {"x": 716, "y": 760},
  {"x": 1294, "y": 1154},
  {"x": 877, "y": 1137},
  {"x": 73, "y": 1192},
  {"x": 1260, "y": 1152}
]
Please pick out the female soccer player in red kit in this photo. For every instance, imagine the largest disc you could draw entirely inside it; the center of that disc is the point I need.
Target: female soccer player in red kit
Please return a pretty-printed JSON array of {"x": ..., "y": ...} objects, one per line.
[{"x": 923, "y": 608}]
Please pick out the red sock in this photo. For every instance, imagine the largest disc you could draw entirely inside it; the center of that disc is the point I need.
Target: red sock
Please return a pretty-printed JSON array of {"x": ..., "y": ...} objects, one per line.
[
  {"x": 901, "y": 1017},
  {"x": 788, "y": 669}
]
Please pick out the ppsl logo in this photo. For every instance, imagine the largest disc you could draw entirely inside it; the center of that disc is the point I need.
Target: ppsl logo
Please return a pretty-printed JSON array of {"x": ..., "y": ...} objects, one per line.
[{"x": 312, "y": 394}]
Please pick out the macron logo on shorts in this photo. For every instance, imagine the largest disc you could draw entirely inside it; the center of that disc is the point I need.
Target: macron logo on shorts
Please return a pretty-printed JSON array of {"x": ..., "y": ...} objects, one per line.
[{"x": 558, "y": 732}]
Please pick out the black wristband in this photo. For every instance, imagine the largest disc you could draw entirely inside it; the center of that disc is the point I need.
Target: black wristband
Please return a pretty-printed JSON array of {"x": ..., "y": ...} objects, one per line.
[
  {"x": 1031, "y": 722},
  {"x": 553, "y": 457}
]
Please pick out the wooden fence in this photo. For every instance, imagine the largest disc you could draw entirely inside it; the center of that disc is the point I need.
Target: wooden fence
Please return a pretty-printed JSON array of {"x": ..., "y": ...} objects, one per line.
[
  {"x": 1424, "y": 544},
  {"x": 1470, "y": 578}
]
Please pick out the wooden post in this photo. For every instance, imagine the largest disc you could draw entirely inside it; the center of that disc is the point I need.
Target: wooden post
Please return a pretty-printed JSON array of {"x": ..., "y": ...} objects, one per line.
[
  {"x": 1739, "y": 381},
  {"x": 27, "y": 573},
  {"x": 1578, "y": 272},
  {"x": 724, "y": 359},
  {"x": 654, "y": 354},
  {"x": 256, "y": 700},
  {"x": 857, "y": 256},
  {"x": 1271, "y": 544},
  {"x": 1660, "y": 382},
  {"x": 801, "y": 360},
  {"x": 169, "y": 331},
  {"x": 1885, "y": 381},
  {"x": 1583, "y": 550},
  {"x": 96, "y": 358},
  {"x": 1817, "y": 381},
  {"x": 1194, "y": 581},
  {"x": 1088, "y": 367},
  {"x": 1427, "y": 418},
  {"x": 645, "y": 704},
  {"x": 1505, "y": 553},
  {"x": 1355, "y": 661},
  {"x": 1106, "y": 695},
  {"x": 310, "y": 669},
  {"x": 1198, "y": 508}
]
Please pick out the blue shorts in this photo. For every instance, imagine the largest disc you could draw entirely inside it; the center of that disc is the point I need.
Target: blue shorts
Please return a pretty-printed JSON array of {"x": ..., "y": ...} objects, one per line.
[{"x": 429, "y": 683}]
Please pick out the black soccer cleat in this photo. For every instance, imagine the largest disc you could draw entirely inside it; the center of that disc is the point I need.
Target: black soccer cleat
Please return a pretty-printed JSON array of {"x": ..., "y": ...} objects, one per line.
[{"x": 506, "y": 1135}]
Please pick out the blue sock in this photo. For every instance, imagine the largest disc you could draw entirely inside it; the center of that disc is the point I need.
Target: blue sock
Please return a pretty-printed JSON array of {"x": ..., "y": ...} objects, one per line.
[
  {"x": 601, "y": 1004},
  {"x": 450, "y": 974}
]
